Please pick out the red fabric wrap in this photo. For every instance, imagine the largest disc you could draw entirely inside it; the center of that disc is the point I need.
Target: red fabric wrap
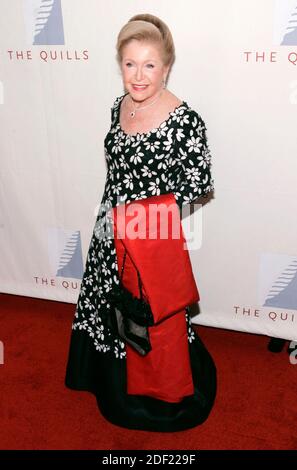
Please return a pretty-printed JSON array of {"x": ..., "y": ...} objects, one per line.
[{"x": 163, "y": 262}]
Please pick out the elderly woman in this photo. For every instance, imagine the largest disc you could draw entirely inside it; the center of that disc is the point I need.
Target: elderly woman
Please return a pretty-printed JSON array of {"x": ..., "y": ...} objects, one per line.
[{"x": 156, "y": 145}]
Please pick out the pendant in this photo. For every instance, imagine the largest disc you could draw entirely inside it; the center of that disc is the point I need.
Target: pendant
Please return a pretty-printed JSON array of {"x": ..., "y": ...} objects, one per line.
[{"x": 132, "y": 114}]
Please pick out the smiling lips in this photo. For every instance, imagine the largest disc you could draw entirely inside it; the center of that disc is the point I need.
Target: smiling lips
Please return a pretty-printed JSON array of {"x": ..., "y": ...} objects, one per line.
[{"x": 139, "y": 87}]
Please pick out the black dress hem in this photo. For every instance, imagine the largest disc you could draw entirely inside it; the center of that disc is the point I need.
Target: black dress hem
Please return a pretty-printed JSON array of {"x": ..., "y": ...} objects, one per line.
[{"x": 104, "y": 375}]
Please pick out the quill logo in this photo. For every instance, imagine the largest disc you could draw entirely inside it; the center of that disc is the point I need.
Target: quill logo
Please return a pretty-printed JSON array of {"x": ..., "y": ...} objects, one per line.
[
  {"x": 65, "y": 253},
  {"x": 278, "y": 281},
  {"x": 44, "y": 22},
  {"x": 285, "y": 22}
]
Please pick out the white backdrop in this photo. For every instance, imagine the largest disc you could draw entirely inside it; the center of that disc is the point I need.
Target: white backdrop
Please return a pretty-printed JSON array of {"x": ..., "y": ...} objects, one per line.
[{"x": 236, "y": 65}]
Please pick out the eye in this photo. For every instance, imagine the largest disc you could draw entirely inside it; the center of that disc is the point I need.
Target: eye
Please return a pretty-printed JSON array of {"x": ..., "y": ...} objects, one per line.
[
  {"x": 128, "y": 64},
  {"x": 150, "y": 66}
]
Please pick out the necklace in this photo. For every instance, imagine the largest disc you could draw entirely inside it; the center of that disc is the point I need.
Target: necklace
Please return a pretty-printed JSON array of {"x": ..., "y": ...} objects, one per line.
[{"x": 132, "y": 113}]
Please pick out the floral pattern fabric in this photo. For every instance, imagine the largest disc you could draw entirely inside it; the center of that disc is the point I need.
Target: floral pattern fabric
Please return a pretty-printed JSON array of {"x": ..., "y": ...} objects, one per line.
[{"x": 172, "y": 158}]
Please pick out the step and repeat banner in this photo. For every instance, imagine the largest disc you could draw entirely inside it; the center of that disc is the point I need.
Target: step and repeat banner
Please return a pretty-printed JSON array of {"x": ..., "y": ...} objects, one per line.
[{"x": 236, "y": 64}]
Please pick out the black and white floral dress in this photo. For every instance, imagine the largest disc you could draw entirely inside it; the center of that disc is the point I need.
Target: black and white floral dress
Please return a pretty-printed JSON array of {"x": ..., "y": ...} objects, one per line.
[{"x": 173, "y": 158}]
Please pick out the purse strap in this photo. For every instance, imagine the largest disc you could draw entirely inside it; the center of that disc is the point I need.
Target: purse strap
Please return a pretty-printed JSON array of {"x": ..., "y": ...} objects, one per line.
[{"x": 138, "y": 275}]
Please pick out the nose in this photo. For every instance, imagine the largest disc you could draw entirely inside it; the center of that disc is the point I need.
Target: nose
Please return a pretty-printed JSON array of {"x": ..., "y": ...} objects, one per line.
[{"x": 139, "y": 74}]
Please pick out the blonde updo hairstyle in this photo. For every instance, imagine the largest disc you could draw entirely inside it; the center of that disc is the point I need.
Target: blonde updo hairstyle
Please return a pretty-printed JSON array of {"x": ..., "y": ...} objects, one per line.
[{"x": 150, "y": 28}]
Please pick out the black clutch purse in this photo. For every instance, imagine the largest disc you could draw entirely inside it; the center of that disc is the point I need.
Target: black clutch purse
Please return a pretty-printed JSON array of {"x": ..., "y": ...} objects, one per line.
[{"x": 130, "y": 316}]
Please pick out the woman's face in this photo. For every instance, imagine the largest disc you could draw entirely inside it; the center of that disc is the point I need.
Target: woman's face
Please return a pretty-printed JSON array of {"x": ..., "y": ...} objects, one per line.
[{"x": 142, "y": 65}]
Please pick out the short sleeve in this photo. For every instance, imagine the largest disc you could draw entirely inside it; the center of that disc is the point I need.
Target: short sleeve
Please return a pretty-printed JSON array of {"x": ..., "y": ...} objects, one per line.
[{"x": 194, "y": 159}]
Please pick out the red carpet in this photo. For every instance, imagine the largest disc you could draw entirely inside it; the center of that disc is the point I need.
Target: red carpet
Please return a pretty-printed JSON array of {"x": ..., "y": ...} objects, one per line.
[{"x": 256, "y": 405}]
